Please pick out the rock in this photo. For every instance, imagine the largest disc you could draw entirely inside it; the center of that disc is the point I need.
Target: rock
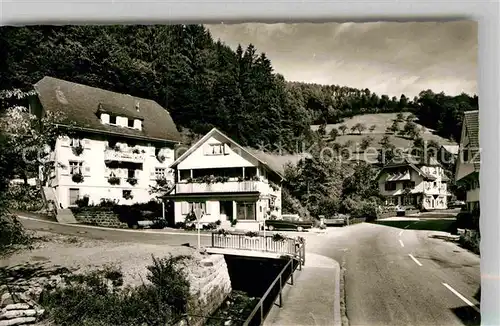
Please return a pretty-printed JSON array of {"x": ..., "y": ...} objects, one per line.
[
  {"x": 12, "y": 314},
  {"x": 6, "y": 299},
  {"x": 17, "y": 306},
  {"x": 17, "y": 321}
]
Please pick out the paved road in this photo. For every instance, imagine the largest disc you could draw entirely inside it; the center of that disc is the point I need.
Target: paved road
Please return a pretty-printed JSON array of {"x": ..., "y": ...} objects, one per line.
[{"x": 396, "y": 275}]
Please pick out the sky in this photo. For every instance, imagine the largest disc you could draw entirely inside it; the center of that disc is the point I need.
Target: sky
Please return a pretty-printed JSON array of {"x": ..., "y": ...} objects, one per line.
[{"x": 386, "y": 57}]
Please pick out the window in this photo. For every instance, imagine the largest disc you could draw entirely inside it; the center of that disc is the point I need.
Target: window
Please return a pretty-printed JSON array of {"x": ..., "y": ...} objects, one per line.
[
  {"x": 131, "y": 123},
  {"x": 408, "y": 200},
  {"x": 187, "y": 207},
  {"x": 409, "y": 184},
  {"x": 466, "y": 155},
  {"x": 389, "y": 186},
  {"x": 160, "y": 173},
  {"x": 214, "y": 149},
  {"x": 131, "y": 173},
  {"x": 75, "y": 142},
  {"x": 435, "y": 184},
  {"x": 246, "y": 211},
  {"x": 75, "y": 167},
  {"x": 112, "y": 119}
]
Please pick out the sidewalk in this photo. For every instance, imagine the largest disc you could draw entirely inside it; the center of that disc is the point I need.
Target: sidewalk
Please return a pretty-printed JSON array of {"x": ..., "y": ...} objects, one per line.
[{"x": 314, "y": 299}]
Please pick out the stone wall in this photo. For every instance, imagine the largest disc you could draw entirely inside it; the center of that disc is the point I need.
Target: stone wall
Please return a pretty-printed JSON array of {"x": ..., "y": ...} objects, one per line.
[
  {"x": 98, "y": 216},
  {"x": 210, "y": 286}
]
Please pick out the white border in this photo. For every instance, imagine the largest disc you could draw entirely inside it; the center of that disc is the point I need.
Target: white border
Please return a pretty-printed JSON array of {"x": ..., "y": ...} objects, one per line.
[{"x": 486, "y": 12}]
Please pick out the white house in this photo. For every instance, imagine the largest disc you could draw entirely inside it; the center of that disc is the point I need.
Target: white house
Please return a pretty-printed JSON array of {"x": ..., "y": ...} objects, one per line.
[
  {"x": 469, "y": 159},
  {"x": 408, "y": 182},
  {"x": 227, "y": 181},
  {"x": 119, "y": 144}
]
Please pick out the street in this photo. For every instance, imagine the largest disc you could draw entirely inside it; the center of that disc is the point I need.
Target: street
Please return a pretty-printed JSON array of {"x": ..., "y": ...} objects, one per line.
[
  {"x": 397, "y": 275},
  {"x": 396, "y": 272}
]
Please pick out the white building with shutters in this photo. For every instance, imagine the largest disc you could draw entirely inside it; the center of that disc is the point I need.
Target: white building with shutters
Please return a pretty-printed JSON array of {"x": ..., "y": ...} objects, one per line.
[{"x": 119, "y": 146}]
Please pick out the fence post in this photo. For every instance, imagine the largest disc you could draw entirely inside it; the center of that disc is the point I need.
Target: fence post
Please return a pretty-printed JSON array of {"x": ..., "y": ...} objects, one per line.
[
  {"x": 291, "y": 275},
  {"x": 304, "y": 253},
  {"x": 213, "y": 239}
]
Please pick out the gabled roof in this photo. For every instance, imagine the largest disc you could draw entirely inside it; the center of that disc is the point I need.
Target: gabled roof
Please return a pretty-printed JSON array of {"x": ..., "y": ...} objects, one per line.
[
  {"x": 452, "y": 149},
  {"x": 471, "y": 123},
  {"x": 251, "y": 152},
  {"x": 81, "y": 104}
]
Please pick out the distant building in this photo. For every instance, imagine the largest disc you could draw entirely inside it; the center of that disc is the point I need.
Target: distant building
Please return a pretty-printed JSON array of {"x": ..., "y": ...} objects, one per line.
[
  {"x": 469, "y": 160},
  {"x": 411, "y": 183},
  {"x": 226, "y": 182},
  {"x": 120, "y": 145},
  {"x": 447, "y": 154}
]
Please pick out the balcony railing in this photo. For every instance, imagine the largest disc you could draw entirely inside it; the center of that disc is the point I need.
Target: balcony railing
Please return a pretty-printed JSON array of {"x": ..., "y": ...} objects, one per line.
[
  {"x": 229, "y": 186},
  {"x": 113, "y": 155}
]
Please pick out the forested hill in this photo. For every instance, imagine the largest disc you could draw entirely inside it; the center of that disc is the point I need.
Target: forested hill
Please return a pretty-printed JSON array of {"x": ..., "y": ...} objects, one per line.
[{"x": 203, "y": 82}]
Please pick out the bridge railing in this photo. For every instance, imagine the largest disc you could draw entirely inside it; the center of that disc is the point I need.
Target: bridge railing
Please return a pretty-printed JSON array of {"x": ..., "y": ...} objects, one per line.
[{"x": 294, "y": 247}]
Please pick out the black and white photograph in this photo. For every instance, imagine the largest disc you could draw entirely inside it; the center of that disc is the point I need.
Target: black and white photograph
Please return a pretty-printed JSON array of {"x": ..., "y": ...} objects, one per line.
[{"x": 240, "y": 174}]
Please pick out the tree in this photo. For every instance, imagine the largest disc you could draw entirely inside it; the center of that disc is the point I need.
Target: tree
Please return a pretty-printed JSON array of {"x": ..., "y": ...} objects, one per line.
[
  {"x": 322, "y": 130},
  {"x": 400, "y": 117},
  {"x": 334, "y": 134},
  {"x": 372, "y": 128},
  {"x": 410, "y": 117},
  {"x": 385, "y": 141},
  {"x": 366, "y": 142},
  {"x": 410, "y": 129},
  {"x": 394, "y": 128},
  {"x": 343, "y": 129}
]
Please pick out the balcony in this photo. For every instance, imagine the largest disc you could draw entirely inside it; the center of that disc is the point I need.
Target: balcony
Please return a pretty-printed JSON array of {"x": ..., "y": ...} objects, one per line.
[
  {"x": 123, "y": 156},
  {"x": 229, "y": 186}
]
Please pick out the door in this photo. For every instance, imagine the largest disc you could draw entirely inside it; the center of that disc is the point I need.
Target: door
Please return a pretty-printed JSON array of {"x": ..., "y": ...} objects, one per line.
[
  {"x": 74, "y": 194},
  {"x": 226, "y": 210}
]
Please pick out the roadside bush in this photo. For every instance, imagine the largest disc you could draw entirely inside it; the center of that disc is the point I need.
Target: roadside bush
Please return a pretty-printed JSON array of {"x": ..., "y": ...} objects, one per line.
[
  {"x": 12, "y": 233},
  {"x": 99, "y": 298},
  {"x": 24, "y": 198},
  {"x": 464, "y": 220}
]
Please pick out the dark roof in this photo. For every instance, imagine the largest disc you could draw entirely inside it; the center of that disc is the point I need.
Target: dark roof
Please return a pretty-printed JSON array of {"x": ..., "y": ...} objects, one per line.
[
  {"x": 471, "y": 123},
  {"x": 405, "y": 161},
  {"x": 81, "y": 104}
]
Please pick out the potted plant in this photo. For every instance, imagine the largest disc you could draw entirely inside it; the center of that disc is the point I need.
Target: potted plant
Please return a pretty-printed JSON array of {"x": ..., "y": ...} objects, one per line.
[
  {"x": 251, "y": 234},
  {"x": 234, "y": 222},
  {"x": 77, "y": 177},
  {"x": 161, "y": 182},
  {"x": 113, "y": 180},
  {"x": 136, "y": 151},
  {"x": 128, "y": 196},
  {"x": 132, "y": 181},
  {"x": 277, "y": 237}
]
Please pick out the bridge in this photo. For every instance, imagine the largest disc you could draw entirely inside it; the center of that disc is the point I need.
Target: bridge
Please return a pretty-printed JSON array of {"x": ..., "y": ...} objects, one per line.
[{"x": 274, "y": 246}]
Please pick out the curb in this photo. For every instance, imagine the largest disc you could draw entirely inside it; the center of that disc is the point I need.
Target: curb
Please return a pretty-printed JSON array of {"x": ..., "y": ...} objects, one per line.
[{"x": 337, "y": 317}]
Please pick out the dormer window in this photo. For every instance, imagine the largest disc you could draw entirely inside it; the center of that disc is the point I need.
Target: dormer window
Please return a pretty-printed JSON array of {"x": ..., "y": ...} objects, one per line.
[
  {"x": 112, "y": 120},
  {"x": 131, "y": 123}
]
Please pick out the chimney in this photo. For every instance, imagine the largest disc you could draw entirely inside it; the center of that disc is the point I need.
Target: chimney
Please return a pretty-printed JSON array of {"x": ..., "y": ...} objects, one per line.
[{"x": 137, "y": 106}]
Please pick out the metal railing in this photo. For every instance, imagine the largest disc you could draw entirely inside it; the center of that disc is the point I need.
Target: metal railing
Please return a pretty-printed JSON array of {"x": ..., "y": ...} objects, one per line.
[
  {"x": 281, "y": 279},
  {"x": 240, "y": 241}
]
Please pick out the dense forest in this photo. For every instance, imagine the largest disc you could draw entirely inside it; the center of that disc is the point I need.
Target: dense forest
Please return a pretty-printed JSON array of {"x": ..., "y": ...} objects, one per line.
[{"x": 203, "y": 82}]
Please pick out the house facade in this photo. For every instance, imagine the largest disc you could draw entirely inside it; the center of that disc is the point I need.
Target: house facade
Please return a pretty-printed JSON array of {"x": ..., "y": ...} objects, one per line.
[
  {"x": 407, "y": 182},
  {"x": 469, "y": 159},
  {"x": 116, "y": 146},
  {"x": 228, "y": 182}
]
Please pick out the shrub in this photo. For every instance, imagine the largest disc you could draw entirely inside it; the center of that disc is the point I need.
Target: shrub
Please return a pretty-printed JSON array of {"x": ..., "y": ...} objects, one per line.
[
  {"x": 223, "y": 232},
  {"x": 24, "y": 198},
  {"x": 278, "y": 237},
  {"x": 210, "y": 226},
  {"x": 99, "y": 298},
  {"x": 252, "y": 234},
  {"x": 180, "y": 225},
  {"x": 218, "y": 222},
  {"x": 12, "y": 233},
  {"x": 83, "y": 202},
  {"x": 464, "y": 220},
  {"x": 234, "y": 222}
]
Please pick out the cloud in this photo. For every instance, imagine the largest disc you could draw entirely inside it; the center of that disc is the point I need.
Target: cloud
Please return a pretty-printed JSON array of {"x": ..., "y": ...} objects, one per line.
[{"x": 386, "y": 57}]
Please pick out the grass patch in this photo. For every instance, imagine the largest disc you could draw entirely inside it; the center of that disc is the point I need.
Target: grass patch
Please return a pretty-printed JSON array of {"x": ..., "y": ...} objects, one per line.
[{"x": 100, "y": 298}]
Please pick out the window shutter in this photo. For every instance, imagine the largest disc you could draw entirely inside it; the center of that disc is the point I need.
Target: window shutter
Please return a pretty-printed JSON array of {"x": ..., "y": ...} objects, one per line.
[
  {"x": 226, "y": 148},
  {"x": 137, "y": 173},
  {"x": 207, "y": 149},
  {"x": 85, "y": 169}
]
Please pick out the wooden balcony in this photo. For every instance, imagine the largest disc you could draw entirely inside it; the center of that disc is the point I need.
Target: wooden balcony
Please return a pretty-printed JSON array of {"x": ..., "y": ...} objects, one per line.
[{"x": 229, "y": 186}]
